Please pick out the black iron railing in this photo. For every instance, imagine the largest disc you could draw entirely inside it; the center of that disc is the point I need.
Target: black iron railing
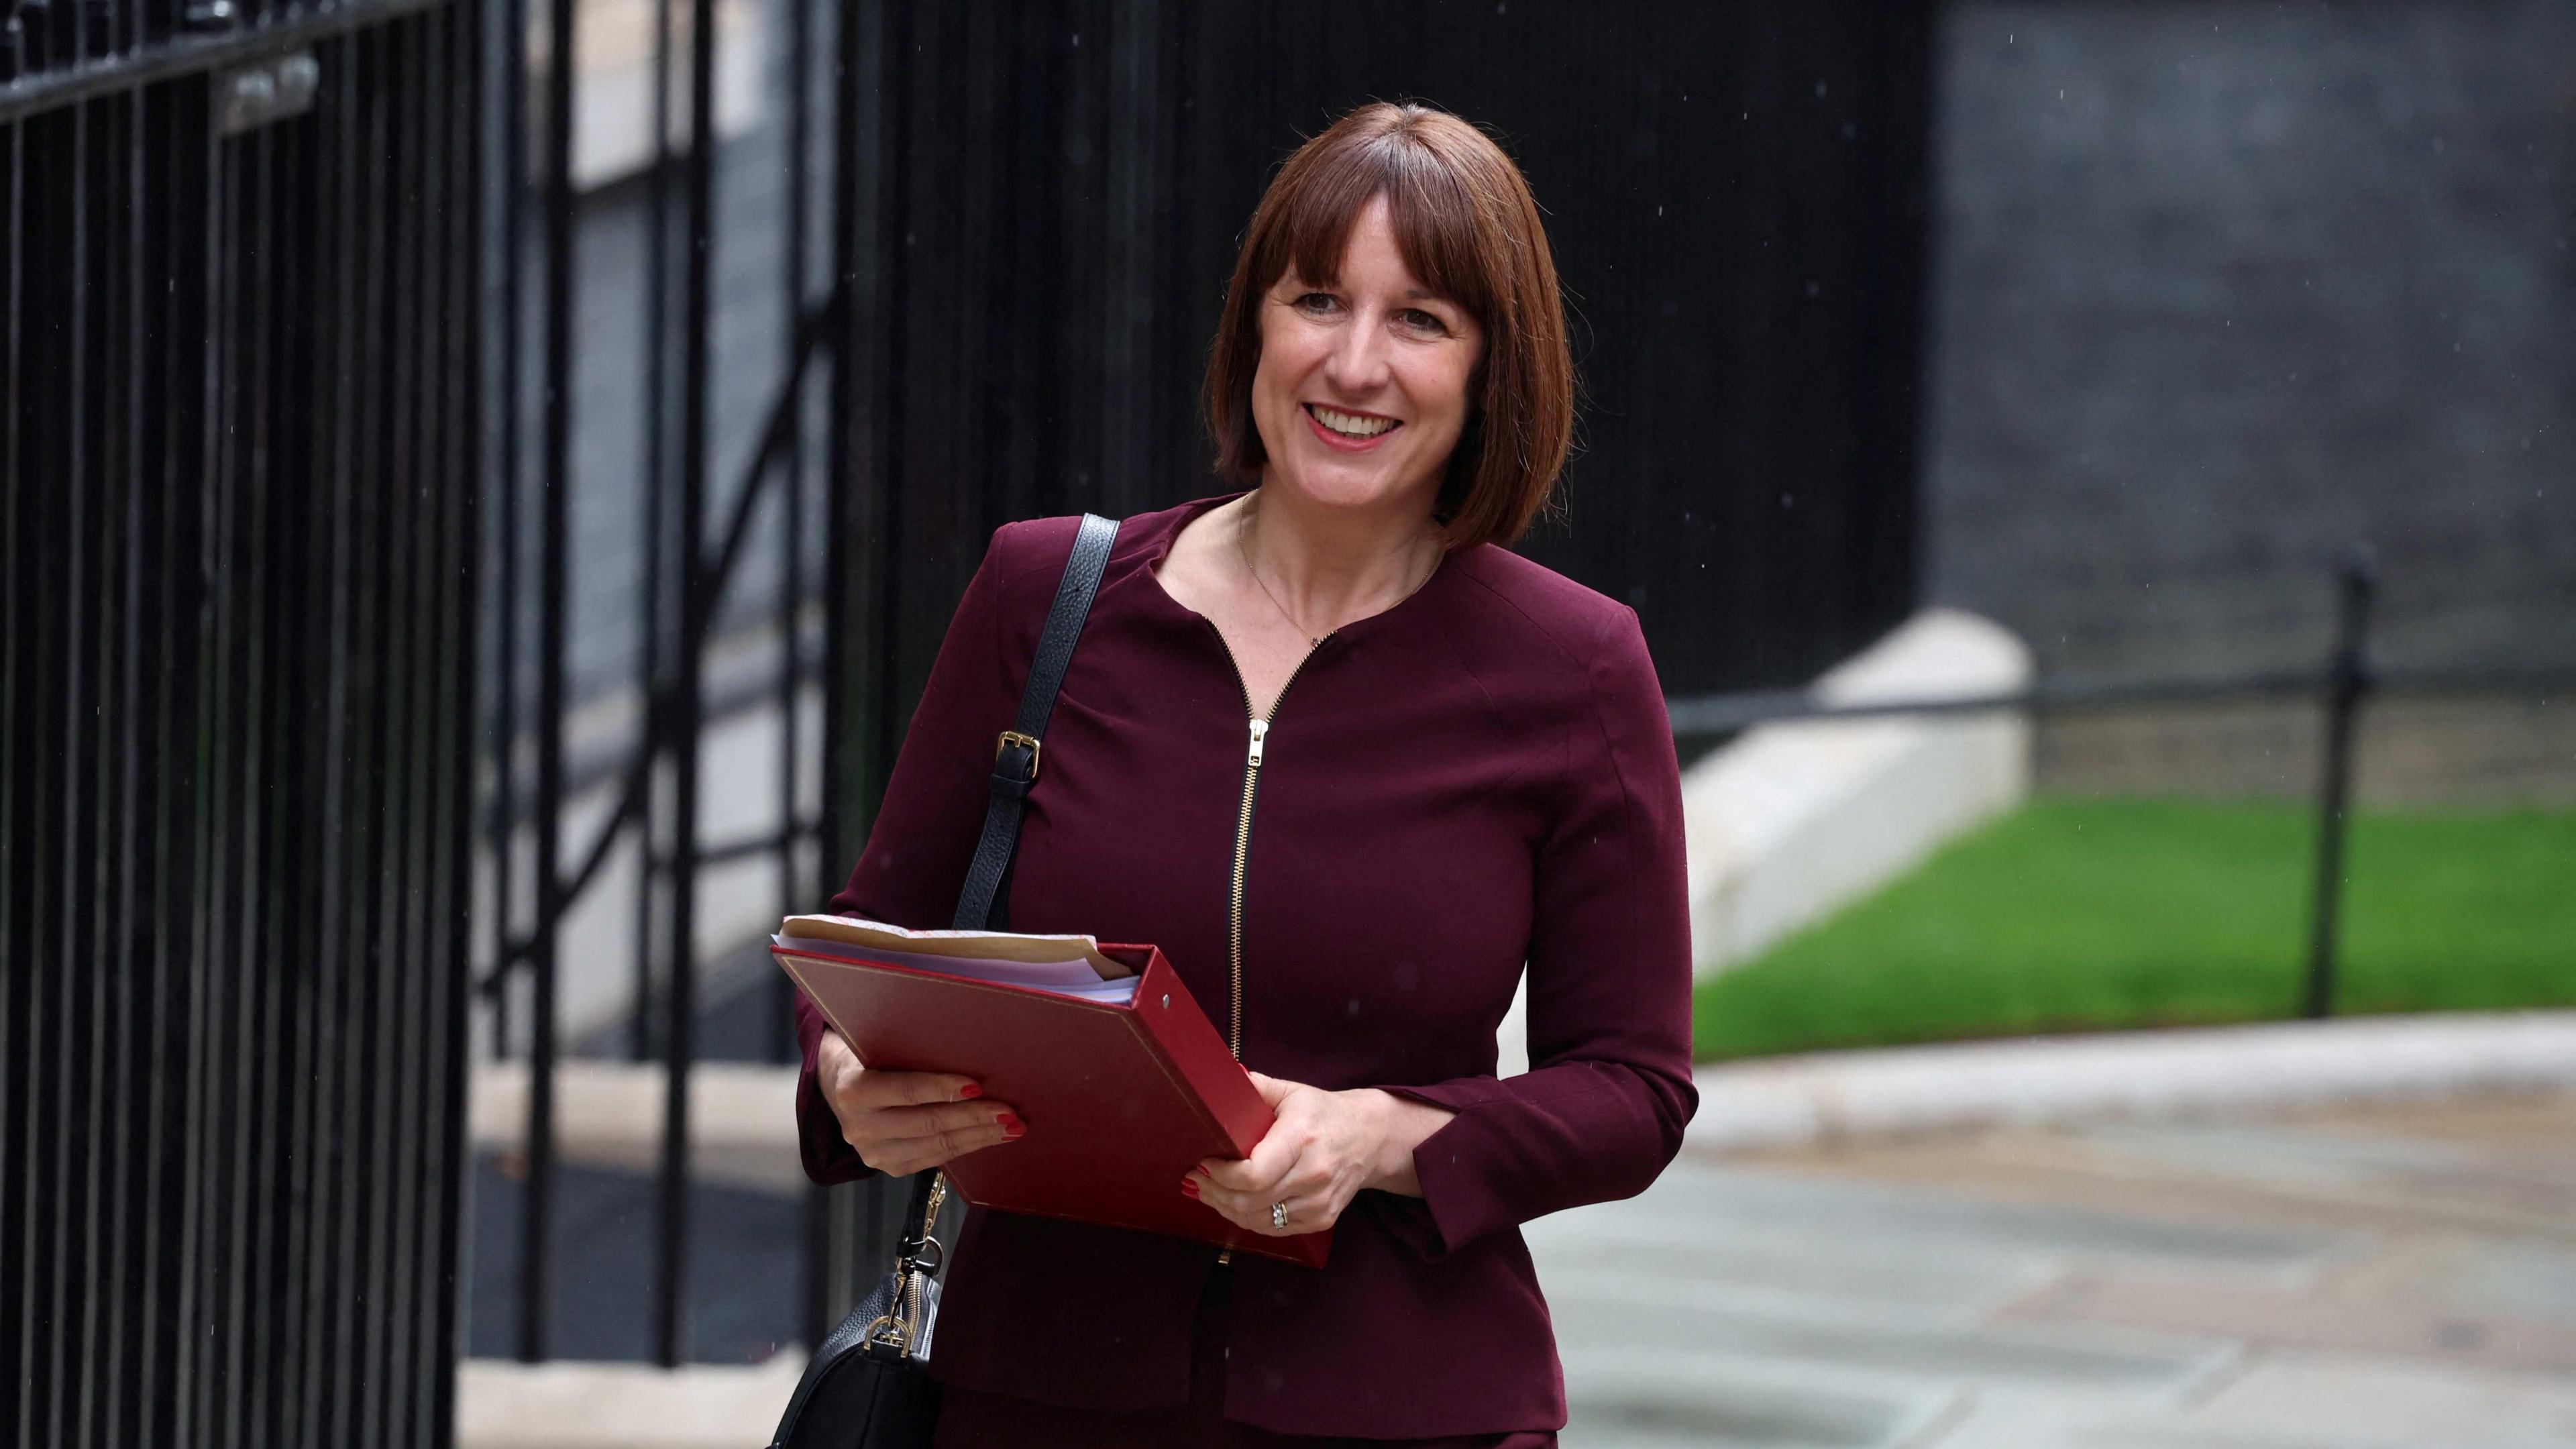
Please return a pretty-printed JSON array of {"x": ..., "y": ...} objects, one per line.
[
  {"x": 239, "y": 566},
  {"x": 691, "y": 556}
]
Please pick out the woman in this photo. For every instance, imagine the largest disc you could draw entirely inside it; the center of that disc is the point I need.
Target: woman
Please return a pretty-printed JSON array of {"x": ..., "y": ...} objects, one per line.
[{"x": 1351, "y": 764}]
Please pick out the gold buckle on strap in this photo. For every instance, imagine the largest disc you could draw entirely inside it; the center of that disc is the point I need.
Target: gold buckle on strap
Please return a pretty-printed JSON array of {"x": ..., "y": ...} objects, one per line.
[{"x": 1014, "y": 737}]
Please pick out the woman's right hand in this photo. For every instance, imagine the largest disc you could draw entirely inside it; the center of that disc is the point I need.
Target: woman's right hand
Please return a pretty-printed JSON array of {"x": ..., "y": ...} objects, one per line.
[{"x": 902, "y": 1122}]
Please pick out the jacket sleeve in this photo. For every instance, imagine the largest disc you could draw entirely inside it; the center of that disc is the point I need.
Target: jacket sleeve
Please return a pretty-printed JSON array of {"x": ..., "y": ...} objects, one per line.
[
  {"x": 926, "y": 828},
  {"x": 1601, "y": 1110}
]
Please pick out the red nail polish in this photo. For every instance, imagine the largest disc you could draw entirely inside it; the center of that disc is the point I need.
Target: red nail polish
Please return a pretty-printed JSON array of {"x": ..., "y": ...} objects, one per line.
[
  {"x": 1189, "y": 1189},
  {"x": 970, "y": 1090},
  {"x": 1011, "y": 1123}
]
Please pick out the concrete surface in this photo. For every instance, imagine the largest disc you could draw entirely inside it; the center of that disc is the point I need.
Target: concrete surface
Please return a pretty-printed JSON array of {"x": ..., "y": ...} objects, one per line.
[
  {"x": 503, "y": 1405},
  {"x": 1789, "y": 821},
  {"x": 2383, "y": 1277}
]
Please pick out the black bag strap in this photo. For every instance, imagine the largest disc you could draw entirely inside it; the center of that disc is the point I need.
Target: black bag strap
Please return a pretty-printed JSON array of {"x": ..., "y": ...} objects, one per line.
[
  {"x": 981, "y": 905},
  {"x": 1015, "y": 769}
]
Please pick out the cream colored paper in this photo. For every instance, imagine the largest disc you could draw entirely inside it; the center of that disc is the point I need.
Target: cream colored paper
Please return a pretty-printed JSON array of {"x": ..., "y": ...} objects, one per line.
[{"x": 860, "y": 932}]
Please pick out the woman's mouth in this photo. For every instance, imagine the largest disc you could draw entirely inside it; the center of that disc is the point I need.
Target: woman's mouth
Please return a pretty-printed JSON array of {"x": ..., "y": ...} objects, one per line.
[{"x": 1348, "y": 430}]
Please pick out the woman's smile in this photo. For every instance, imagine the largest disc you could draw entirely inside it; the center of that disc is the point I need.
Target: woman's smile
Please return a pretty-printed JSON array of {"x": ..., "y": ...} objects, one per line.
[{"x": 1349, "y": 431}]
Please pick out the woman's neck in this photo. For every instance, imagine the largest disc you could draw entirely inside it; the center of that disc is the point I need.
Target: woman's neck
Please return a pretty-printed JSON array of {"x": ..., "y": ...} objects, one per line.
[{"x": 1328, "y": 566}]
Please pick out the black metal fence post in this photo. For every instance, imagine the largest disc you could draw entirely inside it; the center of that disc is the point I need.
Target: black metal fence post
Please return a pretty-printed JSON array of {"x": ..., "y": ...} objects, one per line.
[
  {"x": 671, "y": 1270},
  {"x": 2347, "y": 681},
  {"x": 791, "y": 510},
  {"x": 537, "y": 1223},
  {"x": 836, "y": 821},
  {"x": 506, "y": 475},
  {"x": 656, "y": 671}
]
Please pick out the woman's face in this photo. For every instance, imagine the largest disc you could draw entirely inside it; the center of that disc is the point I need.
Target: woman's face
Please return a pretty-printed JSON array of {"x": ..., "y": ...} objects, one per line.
[{"x": 1362, "y": 387}]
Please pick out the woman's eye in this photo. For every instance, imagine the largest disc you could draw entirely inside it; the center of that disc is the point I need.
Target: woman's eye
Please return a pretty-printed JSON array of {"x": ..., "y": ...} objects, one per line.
[
  {"x": 1424, "y": 320},
  {"x": 1315, "y": 301}
]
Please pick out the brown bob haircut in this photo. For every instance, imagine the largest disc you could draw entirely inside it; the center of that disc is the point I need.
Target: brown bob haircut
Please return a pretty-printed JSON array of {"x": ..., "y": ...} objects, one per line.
[{"x": 1469, "y": 230}]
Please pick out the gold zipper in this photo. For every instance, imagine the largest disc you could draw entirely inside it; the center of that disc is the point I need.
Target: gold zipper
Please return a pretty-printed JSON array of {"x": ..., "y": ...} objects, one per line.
[
  {"x": 1260, "y": 725},
  {"x": 1234, "y": 894}
]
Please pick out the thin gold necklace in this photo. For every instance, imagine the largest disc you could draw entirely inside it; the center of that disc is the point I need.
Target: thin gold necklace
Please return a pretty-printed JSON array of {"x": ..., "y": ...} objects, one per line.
[{"x": 1243, "y": 532}]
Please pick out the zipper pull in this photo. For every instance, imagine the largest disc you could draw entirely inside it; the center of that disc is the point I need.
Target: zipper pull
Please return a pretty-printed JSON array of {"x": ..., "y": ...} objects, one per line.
[{"x": 1260, "y": 727}]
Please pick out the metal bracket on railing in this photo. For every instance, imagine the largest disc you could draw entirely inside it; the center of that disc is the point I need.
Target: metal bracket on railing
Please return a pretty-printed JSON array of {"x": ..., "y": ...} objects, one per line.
[
  {"x": 273, "y": 90},
  {"x": 209, "y": 17}
]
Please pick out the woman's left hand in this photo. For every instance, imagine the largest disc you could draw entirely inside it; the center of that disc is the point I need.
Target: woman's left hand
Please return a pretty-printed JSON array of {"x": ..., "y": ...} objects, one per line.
[{"x": 1320, "y": 1151}]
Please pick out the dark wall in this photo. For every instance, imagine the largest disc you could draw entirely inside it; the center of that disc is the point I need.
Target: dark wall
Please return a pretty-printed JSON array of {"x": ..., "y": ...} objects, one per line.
[
  {"x": 2223, "y": 290},
  {"x": 1735, "y": 193},
  {"x": 237, "y": 569}
]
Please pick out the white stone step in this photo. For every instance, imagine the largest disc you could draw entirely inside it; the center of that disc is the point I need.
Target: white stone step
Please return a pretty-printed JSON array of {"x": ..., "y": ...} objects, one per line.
[
  {"x": 742, "y": 1118},
  {"x": 506, "y": 1405}
]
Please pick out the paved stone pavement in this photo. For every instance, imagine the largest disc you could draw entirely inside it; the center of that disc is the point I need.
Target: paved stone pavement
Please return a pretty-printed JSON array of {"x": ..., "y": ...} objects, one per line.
[
  {"x": 2351, "y": 1279},
  {"x": 2382, "y": 1278}
]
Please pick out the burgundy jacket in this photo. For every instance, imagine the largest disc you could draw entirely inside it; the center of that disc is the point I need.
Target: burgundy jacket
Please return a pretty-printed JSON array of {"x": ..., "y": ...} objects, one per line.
[{"x": 1480, "y": 777}]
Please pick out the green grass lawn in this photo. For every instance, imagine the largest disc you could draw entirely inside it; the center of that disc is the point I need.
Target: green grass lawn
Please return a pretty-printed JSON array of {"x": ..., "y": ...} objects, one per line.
[{"x": 2084, "y": 915}]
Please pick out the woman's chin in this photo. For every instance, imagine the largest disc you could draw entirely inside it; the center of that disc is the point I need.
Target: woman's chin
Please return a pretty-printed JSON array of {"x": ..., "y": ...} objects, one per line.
[{"x": 1344, "y": 484}]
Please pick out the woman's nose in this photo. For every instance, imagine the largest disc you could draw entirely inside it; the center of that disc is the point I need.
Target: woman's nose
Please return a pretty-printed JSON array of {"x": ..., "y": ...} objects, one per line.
[{"x": 1359, "y": 360}]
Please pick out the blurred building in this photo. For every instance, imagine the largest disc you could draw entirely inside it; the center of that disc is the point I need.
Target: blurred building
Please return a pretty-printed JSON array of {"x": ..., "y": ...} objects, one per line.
[{"x": 2221, "y": 292}]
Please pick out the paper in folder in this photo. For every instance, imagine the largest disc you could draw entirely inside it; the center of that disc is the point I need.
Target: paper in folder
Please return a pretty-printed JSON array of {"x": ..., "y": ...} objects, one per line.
[{"x": 1123, "y": 1081}]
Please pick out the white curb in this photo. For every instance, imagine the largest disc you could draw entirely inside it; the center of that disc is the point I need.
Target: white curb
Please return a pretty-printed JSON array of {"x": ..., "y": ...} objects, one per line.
[
  {"x": 1826, "y": 1097},
  {"x": 573, "y": 1405}
]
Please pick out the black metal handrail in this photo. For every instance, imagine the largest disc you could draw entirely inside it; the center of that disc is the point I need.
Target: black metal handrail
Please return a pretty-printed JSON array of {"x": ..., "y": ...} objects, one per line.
[
  {"x": 1703, "y": 715},
  {"x": 635, "y": 769},
  {"x": 144, "y": 49}
]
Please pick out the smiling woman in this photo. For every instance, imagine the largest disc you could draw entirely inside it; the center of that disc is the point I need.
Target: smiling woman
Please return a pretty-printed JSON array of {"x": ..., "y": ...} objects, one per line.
[
  {"x": 1455, "y": 268},
  {"x": 1474, "y": 778}
]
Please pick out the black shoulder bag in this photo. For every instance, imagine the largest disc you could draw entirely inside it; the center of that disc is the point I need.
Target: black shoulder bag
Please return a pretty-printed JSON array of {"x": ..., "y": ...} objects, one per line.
[{"x": 868, "y": 1385}]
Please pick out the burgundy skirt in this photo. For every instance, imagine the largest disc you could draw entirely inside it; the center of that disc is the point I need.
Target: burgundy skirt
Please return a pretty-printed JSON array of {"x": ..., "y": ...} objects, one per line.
[{"x": 970, "y": 1420}]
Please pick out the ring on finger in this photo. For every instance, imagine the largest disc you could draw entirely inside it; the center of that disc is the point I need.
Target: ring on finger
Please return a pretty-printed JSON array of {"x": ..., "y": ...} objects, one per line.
[{"x": 1279, "y": 1215}]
